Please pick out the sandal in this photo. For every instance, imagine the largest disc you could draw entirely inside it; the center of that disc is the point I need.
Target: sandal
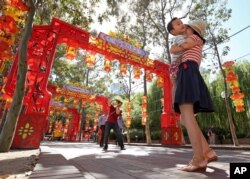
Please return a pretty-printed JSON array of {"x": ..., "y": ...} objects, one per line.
[
  {"x": 198, "y": 167},
  {"x": 212, "y": 158}
]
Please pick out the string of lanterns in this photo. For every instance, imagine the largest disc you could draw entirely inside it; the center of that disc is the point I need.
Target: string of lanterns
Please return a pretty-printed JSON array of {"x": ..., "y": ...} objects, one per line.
[
  {"x": 144, "y": 110},
  {"x": 128, "y": 115},
  {"x": 13, "y": 16},
  {"x": 232, "y": 80}
]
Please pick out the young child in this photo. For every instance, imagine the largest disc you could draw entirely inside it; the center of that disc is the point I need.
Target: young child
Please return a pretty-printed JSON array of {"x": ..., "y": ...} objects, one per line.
[{"x": 176, "y": 28}]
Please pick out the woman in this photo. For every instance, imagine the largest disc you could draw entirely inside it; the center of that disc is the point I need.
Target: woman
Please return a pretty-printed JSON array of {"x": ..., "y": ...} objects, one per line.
[{"x": 192, "y": 95}]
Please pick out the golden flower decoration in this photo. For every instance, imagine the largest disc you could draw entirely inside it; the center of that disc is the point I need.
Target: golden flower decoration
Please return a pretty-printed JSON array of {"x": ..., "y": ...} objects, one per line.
[{"x": 26, "y": 130}]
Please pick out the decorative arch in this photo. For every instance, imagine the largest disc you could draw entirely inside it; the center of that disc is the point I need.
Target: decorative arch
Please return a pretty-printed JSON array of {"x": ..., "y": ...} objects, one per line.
[{"x": 40, "y": 57}]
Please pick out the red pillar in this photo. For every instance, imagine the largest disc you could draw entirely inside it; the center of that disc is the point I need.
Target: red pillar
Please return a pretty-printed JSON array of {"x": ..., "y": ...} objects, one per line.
[{"x": 171, "y": 133}]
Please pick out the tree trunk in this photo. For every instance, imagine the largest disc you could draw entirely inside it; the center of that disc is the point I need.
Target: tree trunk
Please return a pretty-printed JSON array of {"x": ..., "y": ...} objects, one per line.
[
  {"x": 3, "y": 119},
  {"x": 148, "y": 136},
  {"x": 147, "y": 128},
  {"x": 228, "y": 109},
  {"x": 128, "y": 136},
  {"x": 8, "y": 131}
]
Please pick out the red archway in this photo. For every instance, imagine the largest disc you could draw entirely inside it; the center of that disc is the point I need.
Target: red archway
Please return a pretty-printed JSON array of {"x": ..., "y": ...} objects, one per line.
[
  {"x": 41, "y": 50},
  {"x": 79, "y": 96}
]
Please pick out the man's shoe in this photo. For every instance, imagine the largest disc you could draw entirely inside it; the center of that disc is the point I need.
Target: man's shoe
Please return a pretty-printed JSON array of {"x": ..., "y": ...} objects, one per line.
[
  {"x": 123, "y": 148},
  {"x": 105, "y": 147}
]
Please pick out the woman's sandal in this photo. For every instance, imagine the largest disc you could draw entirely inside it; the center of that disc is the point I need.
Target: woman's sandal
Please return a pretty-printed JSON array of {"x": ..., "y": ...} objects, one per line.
[
  {"x": 211, "y": 158},
  {"x": 192, "y": 167}
]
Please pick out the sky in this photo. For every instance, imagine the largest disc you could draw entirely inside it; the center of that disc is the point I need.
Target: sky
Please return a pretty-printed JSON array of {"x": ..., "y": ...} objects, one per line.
[{"x": 239, "y": 44}]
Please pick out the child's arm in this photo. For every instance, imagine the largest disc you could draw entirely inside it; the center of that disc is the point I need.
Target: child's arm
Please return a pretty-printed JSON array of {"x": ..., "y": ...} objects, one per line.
[{"x": 190, "y": 43}]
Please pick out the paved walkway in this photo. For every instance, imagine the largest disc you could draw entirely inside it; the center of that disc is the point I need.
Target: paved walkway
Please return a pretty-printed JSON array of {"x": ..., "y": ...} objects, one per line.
[{"x": 88, "y": 161}]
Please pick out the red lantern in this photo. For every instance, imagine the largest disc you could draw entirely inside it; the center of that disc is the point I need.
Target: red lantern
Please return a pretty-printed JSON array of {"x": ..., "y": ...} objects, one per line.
[
  {"x": 236, "y": 96},
  {"x": 19, "y": 4},
  {"x": 71, "y": 53},
  {"x": 128, "y": 121},
  {"x": 231, "y": 78},
  {"x": 144, "y": 118},
  {"x": 123, "y": 69},
  {"x": 160, "y": 82},
  {"x": 137, "y": 72},
  {"x": 90, "y": 61},
  {"x": 228, "y": 64},
  {"x": 240, "y": 108},
  {"x": 144, "y": 99},
  {"x": 8, "y": 25},
  {"x": 149, "y": 76},
  {"x": 107, "y": 65},
  {"x": 128, "y": 107},
  {"x": 235, "y": 89}
]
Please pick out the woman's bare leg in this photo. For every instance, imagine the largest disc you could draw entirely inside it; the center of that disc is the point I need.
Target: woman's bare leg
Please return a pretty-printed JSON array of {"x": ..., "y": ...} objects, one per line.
[
  {"x": 206, "y": 150},
  {"x": 193, "y": 130}
]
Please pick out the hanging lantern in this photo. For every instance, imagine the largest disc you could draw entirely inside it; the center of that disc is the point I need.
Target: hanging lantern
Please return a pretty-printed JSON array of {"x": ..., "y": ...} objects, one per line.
[
  {"x": 7, "y": 38},
  {"x": 8, "y": 25},
  {"x": 123, "y": 69},
  {"x": 240, "y": 109},
  {"x": 235, "y": 89},
  {"x": 17, "y": 15},
  {"x": 6, "y": 54},
  {"x": 144, "y": 107},
  {"x": 160, "y": 82},
  {"x": 137, "y": 72},
  {"x": 128, "y": 121},
  {"x": 144, "y": 99},
  {"x": 107, "y": 65},
  {"x": 92, "y": 105},
  {"x": 18, "y": 4},
  {"x": 71, "y": 53},
  {"x": 144, "y": 110},
  {"x": 84, "y": 103},
  {"x": 3, "y": 45},
  {"x": 232, "y": 80},
  {"x": 144, "y": 118},
  {"x": 90, "y": 61},
  {"x": 237, "y": 96},
  {"x": 128, "y": 106},
  {"x": 149, "y": 76},
  {"x": 228, "y": 64}
]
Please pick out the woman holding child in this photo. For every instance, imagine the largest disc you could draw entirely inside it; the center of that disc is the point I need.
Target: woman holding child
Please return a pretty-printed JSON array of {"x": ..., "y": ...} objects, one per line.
[{"x": 191, "y": 94}]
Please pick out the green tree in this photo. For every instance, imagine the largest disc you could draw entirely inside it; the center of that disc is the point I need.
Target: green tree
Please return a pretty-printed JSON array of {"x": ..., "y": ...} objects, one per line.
[{"x": 215, "y": 13}]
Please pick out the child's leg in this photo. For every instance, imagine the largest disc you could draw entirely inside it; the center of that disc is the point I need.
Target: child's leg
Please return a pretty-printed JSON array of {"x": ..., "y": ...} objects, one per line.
[{"x": 173, "y": 81}]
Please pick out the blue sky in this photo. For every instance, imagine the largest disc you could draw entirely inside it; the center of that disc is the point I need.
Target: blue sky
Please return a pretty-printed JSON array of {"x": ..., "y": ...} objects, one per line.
[{"x": 240, "y": 43}]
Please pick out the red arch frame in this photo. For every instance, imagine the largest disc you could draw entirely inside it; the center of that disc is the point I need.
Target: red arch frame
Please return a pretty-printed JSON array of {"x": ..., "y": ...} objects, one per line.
[{"x": 40, "y": 57}]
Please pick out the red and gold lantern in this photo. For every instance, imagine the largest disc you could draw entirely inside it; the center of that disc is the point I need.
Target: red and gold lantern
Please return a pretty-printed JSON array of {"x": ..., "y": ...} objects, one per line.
[
  {"x": 144, "y": 110},
  {"x": 128, "y": 116},
  {"x": 123, "y": 69},
  {"x": 107, "y": 65},
  {"x": 18, "y": 4},
  {"x": 149, "y": 76},
  {"x": 71, "y": 53},
  {"x": 90, "y": 61},
  {"x": 232, "y": 80},
  {"x": 128, "y": 121},
  {"x": 160, "y": 82},
  {"x": 137, "y": 72}
]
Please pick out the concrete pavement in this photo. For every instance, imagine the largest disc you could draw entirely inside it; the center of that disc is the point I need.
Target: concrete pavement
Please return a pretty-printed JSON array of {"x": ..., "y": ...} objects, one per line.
[{"x": 88, "y": 161}]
